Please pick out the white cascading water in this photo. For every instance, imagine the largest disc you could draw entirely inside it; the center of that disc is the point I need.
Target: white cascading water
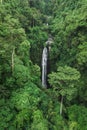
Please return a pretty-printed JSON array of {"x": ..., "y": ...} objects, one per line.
[{"x": 44, "y": 67}]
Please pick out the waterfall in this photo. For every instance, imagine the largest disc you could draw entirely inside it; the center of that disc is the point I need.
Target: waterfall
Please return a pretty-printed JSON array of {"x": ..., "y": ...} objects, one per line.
[
  {"x": 45, "y": 59},
  {"x": 44, "y": 67}
]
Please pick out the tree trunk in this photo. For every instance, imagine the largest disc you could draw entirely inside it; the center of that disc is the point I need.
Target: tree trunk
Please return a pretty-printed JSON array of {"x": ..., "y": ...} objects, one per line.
[
  {"x": 61, "y": 105},
  {"x": 1, "y": 1},
  {"x": 33, "y": 22},
  {"x": 13, "y": 59}
]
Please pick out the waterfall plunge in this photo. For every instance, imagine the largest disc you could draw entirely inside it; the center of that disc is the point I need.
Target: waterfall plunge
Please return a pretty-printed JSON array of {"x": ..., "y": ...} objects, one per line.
[
  {"x": 44, "y": 67},
  {"x": 44, "y": 61}
]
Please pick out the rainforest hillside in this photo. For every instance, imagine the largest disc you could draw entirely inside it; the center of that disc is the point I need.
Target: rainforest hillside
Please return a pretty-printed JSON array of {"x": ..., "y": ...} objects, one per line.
[{"x": 25, "y": 26}]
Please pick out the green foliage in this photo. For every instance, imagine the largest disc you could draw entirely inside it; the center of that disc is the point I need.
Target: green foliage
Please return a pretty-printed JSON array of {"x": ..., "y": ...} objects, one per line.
[
  {"x": 37, "y": 38},
  {"x": 82, "y": 55},
  {"x": 26, "y": 97},
  {"x": 77, "y": 117},
  {"x": 56, "y": 121},
  {"x": 38, "y": 121},
  {"x": 64, "y": 81},
  {"x": 6, "y": 115},
  {"x": 24, "y": 105},
  {"x": 69, "y": 28},
  {"x": 36, "y": 78},
  {"x": 25, "y": 102}
]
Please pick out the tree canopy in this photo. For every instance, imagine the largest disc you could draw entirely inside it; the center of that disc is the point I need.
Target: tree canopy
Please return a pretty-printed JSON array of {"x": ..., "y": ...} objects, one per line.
[{"x": 25, "y": 27}]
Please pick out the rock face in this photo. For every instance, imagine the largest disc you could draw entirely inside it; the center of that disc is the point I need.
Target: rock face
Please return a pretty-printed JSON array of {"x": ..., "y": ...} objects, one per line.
[{"x": 49, "y": 41}]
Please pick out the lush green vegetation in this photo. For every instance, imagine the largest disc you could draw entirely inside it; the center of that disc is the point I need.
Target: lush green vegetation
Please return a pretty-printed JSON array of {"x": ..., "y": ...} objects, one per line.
[{"x": 24, "y": 104}]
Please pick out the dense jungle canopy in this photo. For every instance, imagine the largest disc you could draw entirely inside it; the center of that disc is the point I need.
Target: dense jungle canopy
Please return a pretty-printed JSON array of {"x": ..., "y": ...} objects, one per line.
[{"x": 24, "y": 103}]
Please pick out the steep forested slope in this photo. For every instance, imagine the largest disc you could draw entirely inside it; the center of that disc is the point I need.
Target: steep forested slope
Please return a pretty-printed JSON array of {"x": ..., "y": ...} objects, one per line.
[
  {"x": 69, "y": 28},
  {"x": 24, "y": 104},
  {"x": 69, "y": 51}
]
